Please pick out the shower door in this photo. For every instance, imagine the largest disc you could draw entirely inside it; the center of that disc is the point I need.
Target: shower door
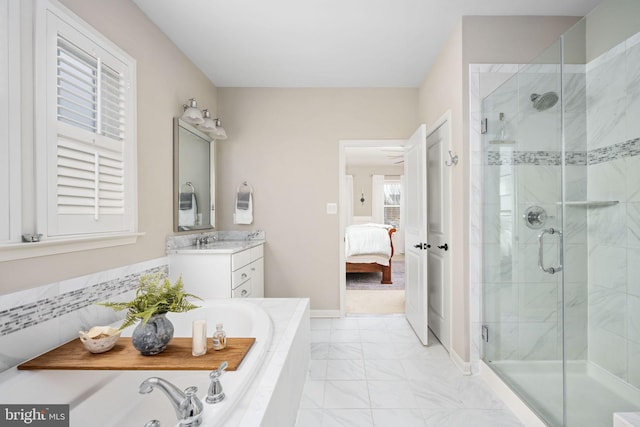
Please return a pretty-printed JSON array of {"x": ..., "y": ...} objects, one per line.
[{"x": 523, "y": 169}]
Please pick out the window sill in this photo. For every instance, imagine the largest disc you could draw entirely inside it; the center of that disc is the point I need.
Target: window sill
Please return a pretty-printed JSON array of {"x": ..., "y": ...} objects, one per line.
[{"x": 15, "y": 251}]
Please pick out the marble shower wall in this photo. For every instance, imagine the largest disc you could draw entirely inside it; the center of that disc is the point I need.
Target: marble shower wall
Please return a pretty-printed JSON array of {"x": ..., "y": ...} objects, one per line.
[
  {"x": 613, "y": 117},
  {"x": 522, "y": 305},
  {"x": 602, "y": 243}
]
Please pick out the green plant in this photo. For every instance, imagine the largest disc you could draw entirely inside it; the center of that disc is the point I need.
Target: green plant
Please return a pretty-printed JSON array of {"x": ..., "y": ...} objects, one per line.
[{"x": 154, "y": 295}]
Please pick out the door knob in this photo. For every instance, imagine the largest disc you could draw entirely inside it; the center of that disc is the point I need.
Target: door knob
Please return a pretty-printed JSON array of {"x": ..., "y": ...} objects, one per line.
[
  {"x": 445, "y": 247},
  {"x": 422, "y": 246}
]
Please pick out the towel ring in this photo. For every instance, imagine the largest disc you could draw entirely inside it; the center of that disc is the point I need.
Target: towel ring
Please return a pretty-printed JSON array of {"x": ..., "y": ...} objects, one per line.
[
  {"x": 244, "y": 184},
  {"x": 190, "y": 189}
]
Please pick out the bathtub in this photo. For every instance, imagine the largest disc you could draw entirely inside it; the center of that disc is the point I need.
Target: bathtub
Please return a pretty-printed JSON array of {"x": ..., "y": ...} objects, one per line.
[{"x": 111, "y": 398}]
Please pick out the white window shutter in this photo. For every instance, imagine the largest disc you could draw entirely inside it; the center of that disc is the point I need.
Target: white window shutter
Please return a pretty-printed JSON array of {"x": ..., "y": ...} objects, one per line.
[
  {"x": 90, "y": 183},
  {"x": 10, "y": 110}
]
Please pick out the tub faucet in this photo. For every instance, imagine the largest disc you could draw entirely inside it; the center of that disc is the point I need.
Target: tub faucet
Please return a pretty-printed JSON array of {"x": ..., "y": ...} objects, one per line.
[
  {"x": 215, "y": 393},
  {"x": 186, "y": 404}
]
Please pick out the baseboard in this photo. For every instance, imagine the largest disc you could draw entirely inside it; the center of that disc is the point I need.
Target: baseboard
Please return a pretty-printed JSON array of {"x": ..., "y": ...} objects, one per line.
[
  {"x": 464, "y": 367},
  {"x": 513, "y": 402},
  {"x": 325, "y": 313}
]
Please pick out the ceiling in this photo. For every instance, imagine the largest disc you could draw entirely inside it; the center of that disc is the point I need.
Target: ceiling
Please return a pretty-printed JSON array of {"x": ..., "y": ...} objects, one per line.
[
  {"x": 374, "y": 156},
  {"x": 325, "y": 43}
]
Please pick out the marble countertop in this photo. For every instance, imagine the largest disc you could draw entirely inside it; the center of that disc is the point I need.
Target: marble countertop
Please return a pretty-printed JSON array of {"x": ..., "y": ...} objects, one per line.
[{"x": 218, "y": 247}]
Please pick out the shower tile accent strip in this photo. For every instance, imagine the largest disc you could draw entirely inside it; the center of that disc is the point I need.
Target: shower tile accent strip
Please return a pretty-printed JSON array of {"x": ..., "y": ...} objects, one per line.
[
  {"x": 20, "y": 317},
  {"x": 621, "y": 150},
  {"x": 628, "y": 148},
  {"x": 546, "y": 158}
]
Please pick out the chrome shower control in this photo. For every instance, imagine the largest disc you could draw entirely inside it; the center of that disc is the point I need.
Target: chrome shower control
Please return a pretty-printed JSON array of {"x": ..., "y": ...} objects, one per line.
[{"x": 535, "y": 217}]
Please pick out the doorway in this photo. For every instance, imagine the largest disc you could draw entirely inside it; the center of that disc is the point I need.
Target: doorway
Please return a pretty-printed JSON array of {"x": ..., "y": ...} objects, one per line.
[{"x": 371, "y": 181}]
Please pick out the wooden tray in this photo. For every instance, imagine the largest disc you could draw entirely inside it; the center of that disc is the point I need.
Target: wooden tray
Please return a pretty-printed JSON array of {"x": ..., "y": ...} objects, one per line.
[{"x": 123, "y": 356}]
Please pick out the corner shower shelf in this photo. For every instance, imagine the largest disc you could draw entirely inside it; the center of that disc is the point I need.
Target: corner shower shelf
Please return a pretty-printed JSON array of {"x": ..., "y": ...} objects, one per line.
[{"x": 591, "y": 203}]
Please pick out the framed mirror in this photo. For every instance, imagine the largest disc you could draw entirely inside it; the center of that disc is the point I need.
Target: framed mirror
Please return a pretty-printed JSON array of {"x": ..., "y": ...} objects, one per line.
[{"x": 193, "y": 178}]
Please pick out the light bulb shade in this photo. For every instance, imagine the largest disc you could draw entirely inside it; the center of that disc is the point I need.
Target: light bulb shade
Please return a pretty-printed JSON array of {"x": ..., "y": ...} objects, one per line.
[
  {"x": 191, "y": 113},
  {"x": 220, "y": 133},
  {"x": 207, "y": 125}
]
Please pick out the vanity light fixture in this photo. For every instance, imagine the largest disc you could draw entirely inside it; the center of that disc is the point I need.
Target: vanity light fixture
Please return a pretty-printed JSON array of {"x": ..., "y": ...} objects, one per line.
[
  {"x": 220, "y": 133},
  {"x": 208, "y": 125},
  {"x": 203, "y": 120},
  {"x": 191, "y": 113}
]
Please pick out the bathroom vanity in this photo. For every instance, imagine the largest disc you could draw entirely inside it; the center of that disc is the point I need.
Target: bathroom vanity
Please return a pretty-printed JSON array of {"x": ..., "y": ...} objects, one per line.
[{"x": 221, "y": 269}]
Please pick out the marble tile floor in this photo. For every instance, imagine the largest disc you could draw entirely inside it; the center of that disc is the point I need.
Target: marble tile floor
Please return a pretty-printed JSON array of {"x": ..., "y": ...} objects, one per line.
[{"x": 370, "y": 371}]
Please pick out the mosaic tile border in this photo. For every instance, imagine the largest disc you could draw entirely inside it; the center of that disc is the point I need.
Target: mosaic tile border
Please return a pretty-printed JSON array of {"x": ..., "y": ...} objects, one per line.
[
  {"x": 621, "y": 150},
  {"x": 36, "y": 312}
]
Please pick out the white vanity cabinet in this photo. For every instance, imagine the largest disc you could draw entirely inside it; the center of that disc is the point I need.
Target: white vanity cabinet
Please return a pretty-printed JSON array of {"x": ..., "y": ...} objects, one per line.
[{"x": 220, "y": 270}]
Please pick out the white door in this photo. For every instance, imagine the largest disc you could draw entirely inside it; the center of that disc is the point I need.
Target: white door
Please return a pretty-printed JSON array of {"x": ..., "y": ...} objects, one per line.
[
  {"x": 438, "y": 252},
  {"x": 415, "y": 169}
]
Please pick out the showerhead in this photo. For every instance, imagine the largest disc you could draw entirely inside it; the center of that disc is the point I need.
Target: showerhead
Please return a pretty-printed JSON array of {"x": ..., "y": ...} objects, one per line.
[{"x": 545, "y": 101}]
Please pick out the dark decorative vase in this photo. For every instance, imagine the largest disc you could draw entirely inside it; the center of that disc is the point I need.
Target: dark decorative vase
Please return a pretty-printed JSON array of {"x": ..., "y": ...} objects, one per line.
[{"x": 154, "y": 336}]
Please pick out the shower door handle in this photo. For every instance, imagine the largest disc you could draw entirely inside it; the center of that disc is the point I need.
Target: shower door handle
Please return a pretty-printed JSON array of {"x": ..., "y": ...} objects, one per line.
[{"x": 550, "y": 270}]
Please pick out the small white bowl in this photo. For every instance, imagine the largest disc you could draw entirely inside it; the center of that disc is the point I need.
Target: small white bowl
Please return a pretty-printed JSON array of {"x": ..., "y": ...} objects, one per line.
[{"x": 100, "y": 338}]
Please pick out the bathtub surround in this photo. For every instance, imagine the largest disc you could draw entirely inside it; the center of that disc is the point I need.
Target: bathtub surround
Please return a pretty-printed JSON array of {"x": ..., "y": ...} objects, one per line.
[
  {"x": 270, "y": 399},
  {"x": 36, "y": 320}
]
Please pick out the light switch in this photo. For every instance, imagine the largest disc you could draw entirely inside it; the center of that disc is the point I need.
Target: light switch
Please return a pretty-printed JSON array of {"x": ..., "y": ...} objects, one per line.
[{"x": 332, "y": 208}]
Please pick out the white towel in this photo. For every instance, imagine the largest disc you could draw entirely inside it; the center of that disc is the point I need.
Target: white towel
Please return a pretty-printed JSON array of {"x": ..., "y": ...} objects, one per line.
[
  {"x": 187, "y": 217},
  {"x": 244, "y": 210}
]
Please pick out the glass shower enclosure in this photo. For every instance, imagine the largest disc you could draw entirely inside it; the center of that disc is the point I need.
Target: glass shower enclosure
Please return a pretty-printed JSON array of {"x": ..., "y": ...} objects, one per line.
[{"x": 561, "y": 231}]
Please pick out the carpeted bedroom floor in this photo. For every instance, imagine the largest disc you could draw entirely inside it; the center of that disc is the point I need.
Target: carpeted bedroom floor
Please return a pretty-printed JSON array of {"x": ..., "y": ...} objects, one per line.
[
  {"x": 366, "y": 295},
  {"x": 371, "y": 281}
]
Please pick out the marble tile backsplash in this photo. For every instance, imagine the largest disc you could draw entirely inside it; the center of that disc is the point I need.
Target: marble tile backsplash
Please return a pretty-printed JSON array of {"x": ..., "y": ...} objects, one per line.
[{"x": 35, "y": 320}]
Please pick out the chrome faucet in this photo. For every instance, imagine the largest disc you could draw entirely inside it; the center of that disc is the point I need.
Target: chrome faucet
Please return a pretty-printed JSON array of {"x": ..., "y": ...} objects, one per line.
[
  {"x": 186, "y": 404},
  {"x": 215, "y": 393}
]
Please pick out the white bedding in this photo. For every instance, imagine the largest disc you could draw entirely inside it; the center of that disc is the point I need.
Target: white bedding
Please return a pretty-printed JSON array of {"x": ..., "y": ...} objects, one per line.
[{"x": 367, "y": 240}]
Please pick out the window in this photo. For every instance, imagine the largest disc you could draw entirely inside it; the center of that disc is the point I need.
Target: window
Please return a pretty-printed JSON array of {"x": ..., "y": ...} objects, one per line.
[
  {"x": 88, "y": 138},
  {"x": 392, "y": 198},
  {"x": 75, "y": 181}
]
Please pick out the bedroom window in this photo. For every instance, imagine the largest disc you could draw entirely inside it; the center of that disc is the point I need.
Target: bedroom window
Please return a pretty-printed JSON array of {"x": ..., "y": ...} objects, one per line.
[{"x": 392, "y": 199}]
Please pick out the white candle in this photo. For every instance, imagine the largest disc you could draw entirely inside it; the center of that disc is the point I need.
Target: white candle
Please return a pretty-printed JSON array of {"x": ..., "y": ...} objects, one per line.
[{"x": 199, "y": 339}]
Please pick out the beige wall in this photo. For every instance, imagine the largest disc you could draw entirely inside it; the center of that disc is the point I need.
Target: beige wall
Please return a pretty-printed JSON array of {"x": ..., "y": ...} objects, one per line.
[
  {"x": 362, "y": 181},
  {"x": 166, "y": 79},
  {"x": 284, "y": 142},
  {"x": 446, "y": 87}
]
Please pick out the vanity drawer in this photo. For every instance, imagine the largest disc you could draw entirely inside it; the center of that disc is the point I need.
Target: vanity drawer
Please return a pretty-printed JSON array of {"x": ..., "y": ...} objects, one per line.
[
  {"x": 240, "y": 259},
  {"x": 240, "y": 276},
  {"x": 257, "y": 252},
  {"x": 242, "y": 291}
]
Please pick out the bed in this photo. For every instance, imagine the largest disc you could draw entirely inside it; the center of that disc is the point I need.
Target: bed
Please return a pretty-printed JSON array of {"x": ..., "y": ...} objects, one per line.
[{"x": 369, "y": 248}]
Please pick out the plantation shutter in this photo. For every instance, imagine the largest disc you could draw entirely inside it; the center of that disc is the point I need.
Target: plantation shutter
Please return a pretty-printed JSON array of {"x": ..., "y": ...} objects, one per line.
[{"x": 88, "y": 189}]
